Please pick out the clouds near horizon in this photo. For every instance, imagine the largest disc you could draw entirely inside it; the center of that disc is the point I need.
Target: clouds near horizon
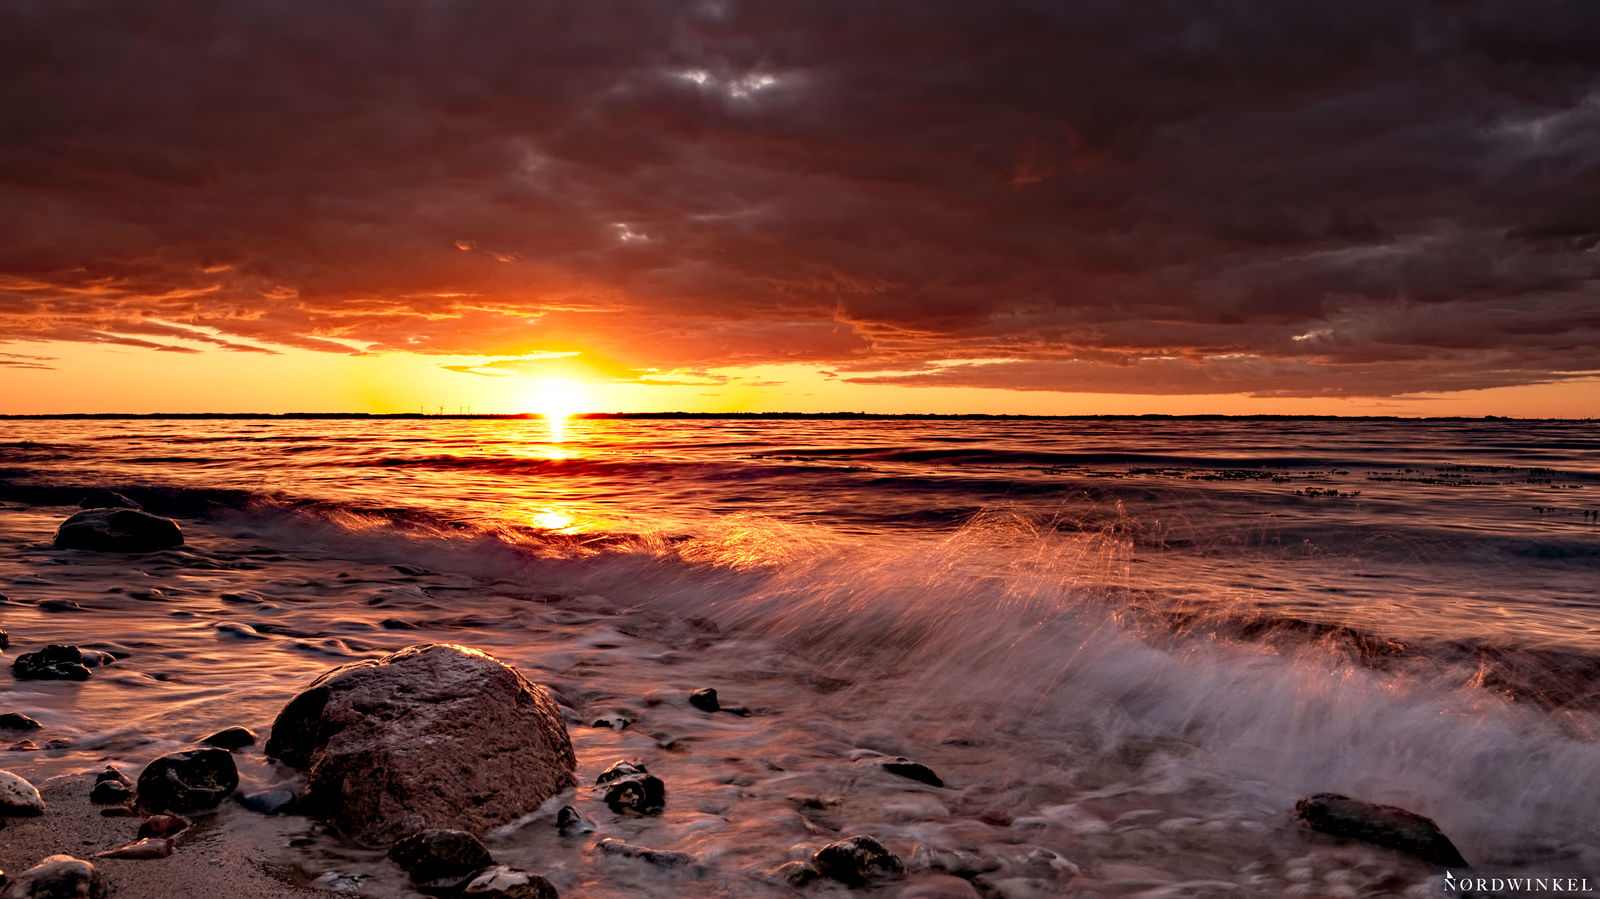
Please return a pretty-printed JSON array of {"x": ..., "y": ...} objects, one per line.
[{"x": 1362, "y": 198}]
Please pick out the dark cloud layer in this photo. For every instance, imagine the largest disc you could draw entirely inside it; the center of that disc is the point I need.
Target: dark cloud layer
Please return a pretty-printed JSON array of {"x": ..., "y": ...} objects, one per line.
[{"x": 1353, "y": 198}]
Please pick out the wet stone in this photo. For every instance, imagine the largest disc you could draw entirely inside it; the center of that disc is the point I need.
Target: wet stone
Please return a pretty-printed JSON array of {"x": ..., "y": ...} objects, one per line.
[
  {"x": 118, "y": 530},
  {"x": 629, "y": 788},
  {"x": 106, "y": 499},
  {"x": 271, "y": 802},
  {"x": 111, "y": 787},
  {"x": 147, "y": 848},
  {"x": 705, "y": 699},
  {"x": 18, "y": 721},
  {"x": 1381, "y": 825},
  {"x": 798, "y": 874},
  {"x": 660, "y": 858},
  {"x": 501, "y": 882},
  {"x": 858, "y": 861},
  {"x": 163, "y": 826},
  {"x": 441, "y": 859},
  {"x": 18, "y": 798},
  {"x": 188, "y": 781},
  {"x": 571, "y": 822},
  {"x": 23, "y": 746},
  {"x": 231, "y": 738},
  {"x": 58, "y": 661},
  {"x": 57, "y": 877},
  {"x": 59, "y": 605},
  {"x": 5, "y": 638},
  {"x": 913, "y": 770}
]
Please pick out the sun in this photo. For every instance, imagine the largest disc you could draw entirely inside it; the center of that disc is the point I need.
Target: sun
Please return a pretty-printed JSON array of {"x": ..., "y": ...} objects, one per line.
[{"x": 557, "y": 399}]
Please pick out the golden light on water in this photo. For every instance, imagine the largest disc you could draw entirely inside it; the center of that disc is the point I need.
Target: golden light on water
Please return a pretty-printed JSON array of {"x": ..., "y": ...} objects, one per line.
[{"x": 557, "y": 399}]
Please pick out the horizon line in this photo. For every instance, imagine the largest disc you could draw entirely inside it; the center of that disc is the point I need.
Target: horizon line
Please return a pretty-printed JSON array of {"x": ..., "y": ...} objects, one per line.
[{"x": 840, "y": 415}]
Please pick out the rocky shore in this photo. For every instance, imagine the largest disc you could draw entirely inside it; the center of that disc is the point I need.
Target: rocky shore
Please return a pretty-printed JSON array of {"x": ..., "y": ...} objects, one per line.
[{"x": 384, "y": 767}]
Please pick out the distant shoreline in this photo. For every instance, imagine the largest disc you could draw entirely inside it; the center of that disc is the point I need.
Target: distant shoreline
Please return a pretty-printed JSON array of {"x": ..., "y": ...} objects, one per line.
[{"x": 745, "y": 416}]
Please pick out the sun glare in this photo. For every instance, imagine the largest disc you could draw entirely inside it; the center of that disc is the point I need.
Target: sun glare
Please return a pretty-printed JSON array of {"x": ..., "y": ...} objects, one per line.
[{"x": 557, "y": 399}]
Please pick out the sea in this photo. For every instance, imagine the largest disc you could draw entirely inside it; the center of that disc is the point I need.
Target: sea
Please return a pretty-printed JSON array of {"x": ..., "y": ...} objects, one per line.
[{"x": 1126, "y": 646}]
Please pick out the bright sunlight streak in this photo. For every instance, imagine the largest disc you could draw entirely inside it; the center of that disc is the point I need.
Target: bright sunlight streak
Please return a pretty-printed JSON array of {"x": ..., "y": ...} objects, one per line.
[{"x": 557, "y": 399}]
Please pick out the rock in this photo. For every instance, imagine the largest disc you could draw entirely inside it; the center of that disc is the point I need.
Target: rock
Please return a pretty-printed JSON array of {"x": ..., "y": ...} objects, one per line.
[
  {"x": 441, "y": 859},
  {"x": 1381, "y": 825},
  {"x": 111, "y": 787},
  {"x": 957, "y": 862},
  {"x": 18, "y": 798},
  {"x": 57, "y": 877},
  {"x": 22, "y": 746},
  {"x": 571, "y": 822},
  {"x": 430, "y": 736},
  {"x": 232, "y": 738},
  {"x": 95, "y": 658},
  {"x": 797, "y": 874},
  {"x": 189, "y": 781},
  {"x": 271, "y": 802},
  {"x": 105, "y": 499},
  {"x": 18, "y": 721},
  {"x": 147, "y": 848},
  {"x": 57, "y": 661},
  {"x": 630, "y": 788},
  {"x": 58, "y": 743},
  {"x": 5, "y": 638},
  {"x": 705, "y": 699},
  {"x": 857, "y": 862},
  {"x": 501, "y": 882},
  {"x": 163, "y": 826},
  {"x": 906, "y": 768},
  {"x": 615, "y": 722},
  {"x": 661, "y": 858},
  {"x": 59, "y": 605},
  {"x": 118, "y": 530}
]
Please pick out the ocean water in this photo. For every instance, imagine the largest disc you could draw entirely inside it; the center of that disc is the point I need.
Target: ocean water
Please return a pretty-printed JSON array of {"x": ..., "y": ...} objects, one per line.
[{"x": 1127, "y": 645}]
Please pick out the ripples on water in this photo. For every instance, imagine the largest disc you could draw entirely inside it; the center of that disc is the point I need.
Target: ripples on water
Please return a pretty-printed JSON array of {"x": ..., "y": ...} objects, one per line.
[{"x": 1134, "y": 643}]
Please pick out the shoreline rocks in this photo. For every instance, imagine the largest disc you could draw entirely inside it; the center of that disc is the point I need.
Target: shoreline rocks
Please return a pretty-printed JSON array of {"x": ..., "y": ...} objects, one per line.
[
  {"x": 189, "y": 781},
  {"x": 57, "y": 661},
  {"x": 631, "y": 788},
  {"x": 18, "y": 798},
  {"x": 120, "y": 530},
  {"x": 57, "y": 877},
  {"x": 1381, "y": 825},
  {"x": 432, "y": 736}
]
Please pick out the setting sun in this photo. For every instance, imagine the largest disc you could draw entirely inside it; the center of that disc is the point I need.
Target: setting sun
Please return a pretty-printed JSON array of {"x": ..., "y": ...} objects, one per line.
[{"x": 557, "y": 399}]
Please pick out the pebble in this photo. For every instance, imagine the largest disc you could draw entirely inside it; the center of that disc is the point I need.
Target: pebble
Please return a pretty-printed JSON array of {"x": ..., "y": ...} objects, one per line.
[
  {"x": 18, "y": 798},
  {"x": 18, "y": 721}
]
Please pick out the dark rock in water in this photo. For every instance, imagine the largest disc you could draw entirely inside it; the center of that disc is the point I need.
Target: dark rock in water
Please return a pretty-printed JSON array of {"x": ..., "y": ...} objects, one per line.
[
  {"x": 615, "y": 722},
  {"x": 18, "y": 721},
  {"x": 857, "y": 862},
  {"x": 57, "y": 877},
  {"x": 147, "y": 848},
  {"x": 163, "y": 826},
  {"x": 59, "y": 605},
  {"x": 906, "y": 768},
  {"x": 95, "y": 658},
  {"x": 441, "y": 859},
  {"x": 798, "y": 874},
  {"x": 232, "y": 738},
  {"x": 431, "y": 736},
  {"x": 111, "y": 787},
  {"x": 118, "y": 530},
  {"x": 571, "y": 822},
  {"x": 58, "y": 743},
  {"x": 1381, "y": 825},
  {"x": 396, "y": 624},
  {"x": 501, "y": 882},
  {"x": 106, "y": 499},
  {"x": 661, "y": 858},
  {"x": 22, "y": 746},
  {"x": 630, "y": 788},
  {"x": 5, "y": 638},
  {"x": 55, "y": 662},
  {"x": 705, "y": 699},
  {"x": 279, "y": 801},
  {"x": 188, "y": 781}
]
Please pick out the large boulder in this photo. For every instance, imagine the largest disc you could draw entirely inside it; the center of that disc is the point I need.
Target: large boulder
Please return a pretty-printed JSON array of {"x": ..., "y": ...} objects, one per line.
[
  {"x": 432, "y": 736},
  {"x": 1382, "y": 825},
  {"x": 118, "y": 530}
]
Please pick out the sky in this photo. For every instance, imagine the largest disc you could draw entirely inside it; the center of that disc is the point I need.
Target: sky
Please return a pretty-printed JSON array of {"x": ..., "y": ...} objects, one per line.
[{"x": 1021, "y": 207}]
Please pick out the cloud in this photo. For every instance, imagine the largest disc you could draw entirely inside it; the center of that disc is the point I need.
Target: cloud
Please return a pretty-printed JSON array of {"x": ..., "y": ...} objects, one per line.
[{"x": 1368, "y": 198}]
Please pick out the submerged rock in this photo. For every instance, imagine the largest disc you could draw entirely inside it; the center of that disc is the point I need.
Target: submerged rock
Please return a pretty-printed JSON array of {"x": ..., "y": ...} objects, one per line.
[
  {"x": 106, "y": 499},
  {"x": 857, "y": 861},
  {"x": 271, "y": 802},
  {"x": 906, "y": 768},
  {"x": 661, "y": 858},
  {"x": 118, "y": 530},
  {"x": 18, "y": 798},
  {"x": 57, "y": 877},
  {"x": 441, "y": 859},
  {"x": 705, "y": 699},
  {"x": 58, "y": 661},
  {"x": 189, "y": 781},
  {"x": 430, "y": 736},
  {"x": 5, "y": 638},
  {"x": 18, "y": 721},
  {"x": 163, "y": 826},
  {"x": 630, "y": 788},
  {"x": 1381, "y": 825},
  {"x": 571, "y": 822},
  {"x": 501, "y": 882},
  {"x": 232, "y": 738}
]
